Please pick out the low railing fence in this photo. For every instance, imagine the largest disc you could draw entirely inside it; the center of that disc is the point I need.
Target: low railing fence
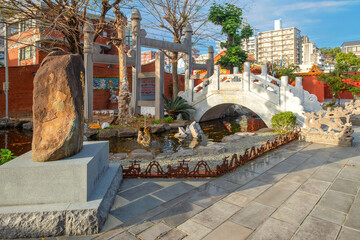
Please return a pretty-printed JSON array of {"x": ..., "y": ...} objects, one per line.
[{"x": 202, "y": 169}]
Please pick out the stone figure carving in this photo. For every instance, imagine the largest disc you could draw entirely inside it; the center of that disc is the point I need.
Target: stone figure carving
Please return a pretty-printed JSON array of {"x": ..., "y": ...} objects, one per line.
[
  {"x": 58, "y": 107},
  {"x": 144, "y": 136},
  {"x": 332, "y": 126}
]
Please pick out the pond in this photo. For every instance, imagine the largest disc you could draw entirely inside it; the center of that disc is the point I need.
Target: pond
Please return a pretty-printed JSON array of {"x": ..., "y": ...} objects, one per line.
[{"x": 19, "y": 142}]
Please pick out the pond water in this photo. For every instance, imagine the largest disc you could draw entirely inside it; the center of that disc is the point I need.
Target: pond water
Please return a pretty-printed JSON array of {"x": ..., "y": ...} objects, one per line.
[{"x": 19, "y": 142}]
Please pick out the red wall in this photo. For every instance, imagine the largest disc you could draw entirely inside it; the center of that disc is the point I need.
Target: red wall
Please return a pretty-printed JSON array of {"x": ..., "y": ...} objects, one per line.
[
  {"x": 313, "y": 86},
  {"x": 20, "y": 90}
]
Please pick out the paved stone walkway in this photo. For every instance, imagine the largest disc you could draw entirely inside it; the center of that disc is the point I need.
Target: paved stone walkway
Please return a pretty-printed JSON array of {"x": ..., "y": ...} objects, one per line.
[{"x": 300, "y": 191}]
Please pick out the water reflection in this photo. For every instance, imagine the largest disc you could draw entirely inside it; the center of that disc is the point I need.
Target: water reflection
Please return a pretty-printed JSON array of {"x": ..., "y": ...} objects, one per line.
[{"x": 20, "y": 142}]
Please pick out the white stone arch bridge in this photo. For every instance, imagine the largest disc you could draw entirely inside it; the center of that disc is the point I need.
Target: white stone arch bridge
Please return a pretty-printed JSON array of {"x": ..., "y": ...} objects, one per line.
[{"x": 262, "y": 94}]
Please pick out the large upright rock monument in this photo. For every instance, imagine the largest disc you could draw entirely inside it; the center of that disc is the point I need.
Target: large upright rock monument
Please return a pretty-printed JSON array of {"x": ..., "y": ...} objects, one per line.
[{"x": 58, "y": 107}]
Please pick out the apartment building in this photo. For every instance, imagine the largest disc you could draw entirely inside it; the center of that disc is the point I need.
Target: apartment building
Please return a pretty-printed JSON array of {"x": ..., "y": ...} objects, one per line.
[
  {"x": 353, "y": 46},
  {"x": 279, "y": 44},
  {"x": 310, "y": 55},
  {"x": 147, "y": 56},
  {"x": 251, "y": 46}
]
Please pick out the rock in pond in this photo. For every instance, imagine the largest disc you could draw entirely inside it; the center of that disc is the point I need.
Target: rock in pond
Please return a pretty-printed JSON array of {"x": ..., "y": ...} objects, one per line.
[
  {"x": 126, "y": 132},
  {"x": 108, "y": 133},
  {"x": 58, "y": 107},
  {"x": 183, "y": 153}
]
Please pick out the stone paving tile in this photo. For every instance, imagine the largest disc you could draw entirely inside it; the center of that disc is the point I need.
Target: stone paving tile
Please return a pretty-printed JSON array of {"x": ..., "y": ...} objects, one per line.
[
  {"x": 295, "y": 177},
  {"x": 207, "y": 195},
  {"x": 353, "y": 219},
  {"x": 165, "y": 182},
  {"x": 178, "y": 214},
  {"x": 246, "y": 215},
  {"x": 216, "y": 214},
  {"x": 326, "y": 174},
  {"x": 271, "y": 176},
  {"x": 315, "y": 186},
  {"x": 111, "y": 223},
  {"x": 287, "y": 185},
  {"x": 317, "y": 229},
  {"x": 238, "y": 199},
  {"x": 345, "y": 186},
  {"x": 194, "y": 230},
  {"x": 229, "y": 231},
  {"x": 297, "y": 158},
  {"x": 289, "y": 215},
  {"x": 140, "y": 191},
  {"x": 119, "y": 202},
  {"x": 197, "y": 182},
  {"x": 351, "y": 173},
  {"x": 348, "y": 234},
  {"x": 109, "y": 234},
  {"x": 155, "y": 231},
  {"x": 136, "y": 208},
  {"x": 136, "y": 229},
  {"x": 173, "y": 235},
  {"x": 274, "y": 196},
  {"x": 273, "y": 229},
  {"x": 241, "y": 177},
  {"x": 173, "y": 191},
  {"x": 221, "y": 182},
  {"x": 284, "y": 167},
  {"x": 124, "y": 236},
  {"x": 337, "y": 200},
  {"x": 130, "y": 183},
  {"x": 259, "y": 167},
  {"x": 145, "y": 216},
  {"x": 301, "y": 202},
  {"x": 254, "y": 188},
  {"x": 329, "y": 215}
]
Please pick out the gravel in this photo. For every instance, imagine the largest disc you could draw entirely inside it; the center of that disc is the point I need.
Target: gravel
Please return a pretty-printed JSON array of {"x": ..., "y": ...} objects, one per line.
[{"x": 212, "y": 159}]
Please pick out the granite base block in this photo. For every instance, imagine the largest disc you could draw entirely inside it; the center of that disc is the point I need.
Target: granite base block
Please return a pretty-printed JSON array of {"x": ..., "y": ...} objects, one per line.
[{"x": 67, "y": 218}]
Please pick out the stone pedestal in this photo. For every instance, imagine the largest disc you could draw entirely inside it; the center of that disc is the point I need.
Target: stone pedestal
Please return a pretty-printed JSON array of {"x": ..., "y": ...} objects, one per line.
[{"x": 71, "y": 196}]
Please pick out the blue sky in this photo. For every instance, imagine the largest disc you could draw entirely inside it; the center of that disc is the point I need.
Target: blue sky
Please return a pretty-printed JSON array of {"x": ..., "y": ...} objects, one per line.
[{"x": 327, "y": 23}]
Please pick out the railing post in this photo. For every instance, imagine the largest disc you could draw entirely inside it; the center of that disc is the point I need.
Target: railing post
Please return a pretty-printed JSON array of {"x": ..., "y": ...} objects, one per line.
[
  {"x": 236, "y": 71},
  {"x": 210, "y": 62},
  {"x": 246, "y": 77},
  {"x": 88, "y": 64},
  {"x": 299, "y": 91},
  {"x": 191, "y": 90},
  {"x": 283, "y": 89},
  {"x": 217, "y": 77},
  {"x": 264, "y": 71}
]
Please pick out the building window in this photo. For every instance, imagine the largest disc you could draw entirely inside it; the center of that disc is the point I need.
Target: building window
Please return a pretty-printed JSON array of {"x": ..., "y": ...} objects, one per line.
[
  {"x": 27, "y": 52},
  {"x": 25, "y": 25}
]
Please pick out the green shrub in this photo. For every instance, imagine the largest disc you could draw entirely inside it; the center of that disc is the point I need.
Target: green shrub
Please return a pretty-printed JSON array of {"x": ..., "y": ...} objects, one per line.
[
  {"x": 6, "y": 156},
  {"x": 155, "y": 121},
  {"x": 177, "y": 106},
  {"x": 168, "y": 119},
  {"x": 283, "y": 122}
]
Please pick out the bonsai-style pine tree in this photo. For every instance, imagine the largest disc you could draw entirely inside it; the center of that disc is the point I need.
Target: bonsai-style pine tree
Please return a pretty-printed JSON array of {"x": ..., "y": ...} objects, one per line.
[{"x": 229, "y": 17}]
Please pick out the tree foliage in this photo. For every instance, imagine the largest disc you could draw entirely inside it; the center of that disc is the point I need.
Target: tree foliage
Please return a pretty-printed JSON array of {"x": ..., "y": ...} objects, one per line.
[
  {"x": 286, "y": 70},
  {"x": 172, "y": 17},
  {"x": 228, "y": 16},
  {"x": 61, "y": 20},
  {"x": 283, "y": 122},
  {"x": 340, "y": 80},
  {"x": 330, "y": 53}
]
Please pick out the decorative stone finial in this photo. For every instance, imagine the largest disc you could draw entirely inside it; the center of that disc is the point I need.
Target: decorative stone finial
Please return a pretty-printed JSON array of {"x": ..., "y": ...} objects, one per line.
[
  {"x": 136, "y": 15},
  {"x": 89, "y": 27},
  {"x": 188, "y": 28},
  {"x": 211, "y": 49}
]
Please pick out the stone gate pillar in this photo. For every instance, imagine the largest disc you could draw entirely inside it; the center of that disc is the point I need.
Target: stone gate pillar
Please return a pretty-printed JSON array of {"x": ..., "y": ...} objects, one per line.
[
  {"x": 210, "y": 62},
  {"x": 159, "y": 85},
  {"x": 188, "y": 57},
  {"x": 299, "y": 91},
  {"x": 135, "y": 93},
  {"x": 283, "y": 89}
]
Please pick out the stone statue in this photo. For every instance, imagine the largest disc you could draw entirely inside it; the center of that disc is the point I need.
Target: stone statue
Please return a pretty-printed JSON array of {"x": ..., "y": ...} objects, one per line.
[
  {"x": 144, "y": 136},
  {"x": 58, "y": 107},
  {"x": 332, "y": 126}
]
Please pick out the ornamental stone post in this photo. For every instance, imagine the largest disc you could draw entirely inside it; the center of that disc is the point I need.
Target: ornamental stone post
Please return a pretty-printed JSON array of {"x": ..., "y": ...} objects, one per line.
[
  {"x": 188, "y": 56},
  {"x": 246, "y": 77},
  {"x": 88, "y": 63}
]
